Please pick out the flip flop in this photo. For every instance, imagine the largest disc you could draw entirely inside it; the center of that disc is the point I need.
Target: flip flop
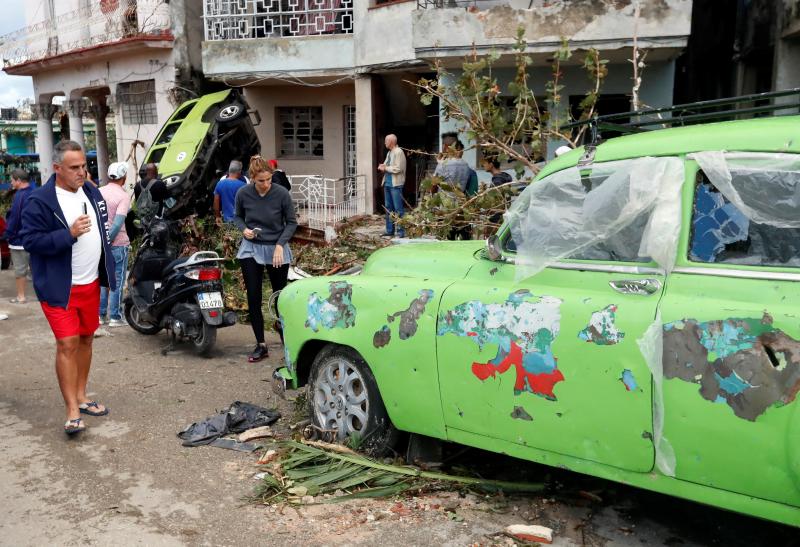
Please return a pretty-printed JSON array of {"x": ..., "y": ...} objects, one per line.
[
  {"x": 74, "y": 426},
  {"x": 19, "y": 301},
  {"x": 87, "y": 408}
]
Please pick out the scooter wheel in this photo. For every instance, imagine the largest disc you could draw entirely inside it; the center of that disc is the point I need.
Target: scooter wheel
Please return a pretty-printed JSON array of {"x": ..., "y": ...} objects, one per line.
[
  {"x": 205, "y": 339},
  {"x": 133, "y": 319}
]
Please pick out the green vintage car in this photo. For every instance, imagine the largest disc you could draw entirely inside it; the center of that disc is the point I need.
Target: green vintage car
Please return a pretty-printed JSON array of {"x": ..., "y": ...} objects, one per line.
[{"x": 636, "y": 318}]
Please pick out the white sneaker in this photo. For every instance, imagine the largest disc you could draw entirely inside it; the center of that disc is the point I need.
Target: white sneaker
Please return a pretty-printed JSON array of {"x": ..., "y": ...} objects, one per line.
[{"x": 117, "y": 323}]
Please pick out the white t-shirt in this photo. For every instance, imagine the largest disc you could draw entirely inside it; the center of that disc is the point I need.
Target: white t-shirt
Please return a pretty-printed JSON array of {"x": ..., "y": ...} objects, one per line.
[{"x": 88, "y": 250}]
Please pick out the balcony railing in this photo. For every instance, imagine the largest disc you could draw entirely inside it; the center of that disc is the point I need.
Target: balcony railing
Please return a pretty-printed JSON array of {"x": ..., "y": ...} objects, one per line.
[
  {"x": 94, "y": 25},
  {"x": 243, "y": 19}
]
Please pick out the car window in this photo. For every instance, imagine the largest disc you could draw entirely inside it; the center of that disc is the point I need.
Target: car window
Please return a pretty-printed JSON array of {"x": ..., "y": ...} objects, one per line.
[
  {"x": 721, "y": 233},
  {"x": 168, "y": 132},
  {"x": 614, "y": 211},
  {"x": 746, "y": 209}
]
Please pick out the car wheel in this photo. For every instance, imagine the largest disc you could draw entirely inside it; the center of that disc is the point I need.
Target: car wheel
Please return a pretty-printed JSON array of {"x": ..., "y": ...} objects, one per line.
[
  {"x": 135, "y": 321},
  {"x": 344, "y": 398},
  {"x": 230, "y": 112}
]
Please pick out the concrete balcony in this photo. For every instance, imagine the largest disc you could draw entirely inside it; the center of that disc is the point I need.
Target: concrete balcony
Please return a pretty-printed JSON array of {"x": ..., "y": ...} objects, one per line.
[
  {"x": 253, "y": 36},
  {"x": 107, "y": 30},
  {"x": 454, "y": 28}
]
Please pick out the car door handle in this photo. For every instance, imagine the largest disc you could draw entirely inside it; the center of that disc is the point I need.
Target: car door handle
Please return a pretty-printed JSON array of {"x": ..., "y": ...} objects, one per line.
[{"x": 644, "y": 287}]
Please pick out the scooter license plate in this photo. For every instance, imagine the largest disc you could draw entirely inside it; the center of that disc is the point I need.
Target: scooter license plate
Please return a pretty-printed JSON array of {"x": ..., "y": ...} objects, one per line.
[{"x": 209, "y": 300}]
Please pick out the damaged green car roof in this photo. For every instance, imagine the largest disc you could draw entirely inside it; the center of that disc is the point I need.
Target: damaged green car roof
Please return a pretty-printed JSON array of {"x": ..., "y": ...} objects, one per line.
[{"x": 772, "y": 134}]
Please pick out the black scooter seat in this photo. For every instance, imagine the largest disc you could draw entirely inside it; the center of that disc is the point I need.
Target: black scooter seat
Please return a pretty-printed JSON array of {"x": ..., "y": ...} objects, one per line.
[{"x": 174, "y": 264}]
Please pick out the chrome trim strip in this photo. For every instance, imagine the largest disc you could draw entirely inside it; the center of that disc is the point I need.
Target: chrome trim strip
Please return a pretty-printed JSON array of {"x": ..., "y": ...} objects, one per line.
[
  {"x": 741, "y": 274},
  {"x": 639, "y": 270}
]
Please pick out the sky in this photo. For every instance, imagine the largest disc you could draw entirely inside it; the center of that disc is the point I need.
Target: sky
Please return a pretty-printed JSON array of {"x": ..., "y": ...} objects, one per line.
[{"x": 14, "y": 88}]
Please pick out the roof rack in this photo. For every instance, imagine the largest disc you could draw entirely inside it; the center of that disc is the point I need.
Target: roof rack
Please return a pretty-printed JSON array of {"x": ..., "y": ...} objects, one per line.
[{"x": 685, "y": 114}]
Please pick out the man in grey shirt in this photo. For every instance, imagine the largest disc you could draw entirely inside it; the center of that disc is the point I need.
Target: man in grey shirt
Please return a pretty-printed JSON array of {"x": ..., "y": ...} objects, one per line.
[{"x": 452, "y": 168}]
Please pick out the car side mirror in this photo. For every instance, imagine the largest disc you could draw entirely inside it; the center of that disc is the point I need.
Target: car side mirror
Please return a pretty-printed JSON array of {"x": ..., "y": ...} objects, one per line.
[{"x": 494, "y": 250}]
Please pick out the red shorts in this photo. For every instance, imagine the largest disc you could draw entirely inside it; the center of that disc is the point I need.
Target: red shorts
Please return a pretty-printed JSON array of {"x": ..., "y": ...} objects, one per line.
[{"x": 81, "y": 318}]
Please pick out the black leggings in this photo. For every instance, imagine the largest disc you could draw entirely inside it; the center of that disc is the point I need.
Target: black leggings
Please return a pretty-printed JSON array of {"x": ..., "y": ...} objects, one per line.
[{"x": 253, "y": 274}]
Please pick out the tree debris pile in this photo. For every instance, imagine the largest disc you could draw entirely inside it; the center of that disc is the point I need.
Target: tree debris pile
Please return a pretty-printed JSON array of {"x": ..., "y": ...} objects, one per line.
[
  {"x": 351, "y": 248},
  {"x": 445, "y": 209},
  {"x": 313, "y": 472}
]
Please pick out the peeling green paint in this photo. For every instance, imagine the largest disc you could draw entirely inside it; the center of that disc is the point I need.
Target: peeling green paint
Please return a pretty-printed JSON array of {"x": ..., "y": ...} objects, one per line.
[
  {"x": 735, "y": 361},
  {"x": 336, "y": 311},
  {"x": 602, "y": 329},
  {"x": 523, "y": 331}
]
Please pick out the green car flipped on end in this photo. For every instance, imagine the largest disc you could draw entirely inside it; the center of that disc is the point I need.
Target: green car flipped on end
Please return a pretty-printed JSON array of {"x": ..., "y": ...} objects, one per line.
[{"x": 196, "y": 145}]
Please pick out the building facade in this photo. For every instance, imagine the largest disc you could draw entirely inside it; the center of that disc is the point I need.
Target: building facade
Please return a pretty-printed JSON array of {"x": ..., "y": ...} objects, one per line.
[
  {"x": 332, "y": 77},
  {"x": 137, "y": 58}
]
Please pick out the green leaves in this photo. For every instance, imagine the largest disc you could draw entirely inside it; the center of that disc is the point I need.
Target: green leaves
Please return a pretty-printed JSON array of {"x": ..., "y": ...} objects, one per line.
[{"x": 304, "y": 470}]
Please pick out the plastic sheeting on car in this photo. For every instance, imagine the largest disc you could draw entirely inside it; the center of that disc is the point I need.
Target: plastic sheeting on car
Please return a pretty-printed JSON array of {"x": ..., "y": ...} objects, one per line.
[
  {"x": 577, "y": 208},
  {"x": 651, "y": 344},
  {"x": 765, "y": 187}
]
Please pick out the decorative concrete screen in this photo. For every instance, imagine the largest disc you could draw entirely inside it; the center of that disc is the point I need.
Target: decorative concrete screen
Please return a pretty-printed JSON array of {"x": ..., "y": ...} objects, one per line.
[{"x": 243, "y": 19}]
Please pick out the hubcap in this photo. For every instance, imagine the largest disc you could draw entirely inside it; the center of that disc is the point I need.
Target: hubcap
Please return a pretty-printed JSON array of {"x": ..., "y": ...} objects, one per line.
[
  {"x": 229, "y": 112},
  {"x": 340, "y": 398}
]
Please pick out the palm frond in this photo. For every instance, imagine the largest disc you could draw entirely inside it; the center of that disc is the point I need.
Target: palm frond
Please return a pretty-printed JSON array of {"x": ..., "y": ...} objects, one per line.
[{"x": 313, "y": 470}]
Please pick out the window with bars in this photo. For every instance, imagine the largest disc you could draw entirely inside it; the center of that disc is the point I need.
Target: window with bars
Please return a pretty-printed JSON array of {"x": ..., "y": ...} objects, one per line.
[
  {"x": 350, "y": 166},
  {"x": 300, "y": 131},
  {"x": 137, "y": 101}
]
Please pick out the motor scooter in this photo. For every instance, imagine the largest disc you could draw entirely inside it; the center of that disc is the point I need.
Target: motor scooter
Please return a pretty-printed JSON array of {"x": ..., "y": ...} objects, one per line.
[{"x": 183, "y": 295}]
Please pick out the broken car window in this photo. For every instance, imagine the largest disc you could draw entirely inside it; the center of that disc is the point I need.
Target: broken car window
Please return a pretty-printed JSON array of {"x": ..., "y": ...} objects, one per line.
[
  {"x": 747, "y": 209},
  {"x": 723, "y": 234},
  {"x": 621, "y": 210}
]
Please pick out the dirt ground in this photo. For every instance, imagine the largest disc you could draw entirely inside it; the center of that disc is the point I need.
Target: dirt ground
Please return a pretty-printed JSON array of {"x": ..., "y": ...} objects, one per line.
[{"x": 128, "y": 481}]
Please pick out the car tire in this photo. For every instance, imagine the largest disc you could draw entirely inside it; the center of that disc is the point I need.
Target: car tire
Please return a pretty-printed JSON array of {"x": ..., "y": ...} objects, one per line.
[
  {"x": 231, "y": 112},
  {"x": 343, "y": 396},
  {"x": 133, "y": 319}
]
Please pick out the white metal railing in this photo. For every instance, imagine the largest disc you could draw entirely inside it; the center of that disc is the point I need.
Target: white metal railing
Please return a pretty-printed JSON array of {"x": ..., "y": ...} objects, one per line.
[
  {"x": 321, "y": 202},
  {"x": 479, "y": 4},
  {"x": 243, "y": 19},
  {"x": 91, "y": 25}
]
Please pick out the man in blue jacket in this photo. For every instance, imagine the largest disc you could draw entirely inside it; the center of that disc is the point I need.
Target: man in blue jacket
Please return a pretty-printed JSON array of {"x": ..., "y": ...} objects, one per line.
[
  {"x": 64, "y": 230},
  {"x": 20, "y": 183}
]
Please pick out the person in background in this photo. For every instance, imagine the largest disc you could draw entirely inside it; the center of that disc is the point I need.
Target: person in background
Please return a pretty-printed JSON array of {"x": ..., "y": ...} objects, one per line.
[
  {"x": 225, "y": 193},
  {"x": 452, "y": 167},
  {"x": 265, "y": 215},
  {"x": 117, "y": 204},
  {"x": 64, "y": 230},
  {"x": 492, "y": 165},
  {"x": 146, "y": 206},
  {"x": 150, "y": 175},
  {"x": 21, "y": 184},
  {"x": 279, "y": 176},
  {"x": 394, "y": 177}
]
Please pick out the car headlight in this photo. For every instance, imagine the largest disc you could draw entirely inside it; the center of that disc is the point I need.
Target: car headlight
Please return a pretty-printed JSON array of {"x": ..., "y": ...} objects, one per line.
[{"x": 171, "y": 181}]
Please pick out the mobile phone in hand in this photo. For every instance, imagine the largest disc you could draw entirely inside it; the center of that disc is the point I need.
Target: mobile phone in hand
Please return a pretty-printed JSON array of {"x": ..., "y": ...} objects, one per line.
[
  {"x": 85, "y": 210},
  {"x": 256, "y": 230}
]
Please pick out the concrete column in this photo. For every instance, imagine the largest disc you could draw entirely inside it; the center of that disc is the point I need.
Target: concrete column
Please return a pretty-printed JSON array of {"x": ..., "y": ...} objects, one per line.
[
  {"x": 75, "y": 111},
  {"x": 99, "y": 111},
  {"x": 365, "y": 143},
  {"x": 44, "y": 132}
]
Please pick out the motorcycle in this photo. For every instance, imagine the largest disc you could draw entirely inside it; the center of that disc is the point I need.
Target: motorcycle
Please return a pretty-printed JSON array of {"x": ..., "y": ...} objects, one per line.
[{"x": 182, "y": 295}]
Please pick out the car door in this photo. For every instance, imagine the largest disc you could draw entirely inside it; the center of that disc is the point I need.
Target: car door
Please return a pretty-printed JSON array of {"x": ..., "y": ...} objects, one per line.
[
  {"x": 551, "y": 361},
  {"x": 731, "y": 357}
]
